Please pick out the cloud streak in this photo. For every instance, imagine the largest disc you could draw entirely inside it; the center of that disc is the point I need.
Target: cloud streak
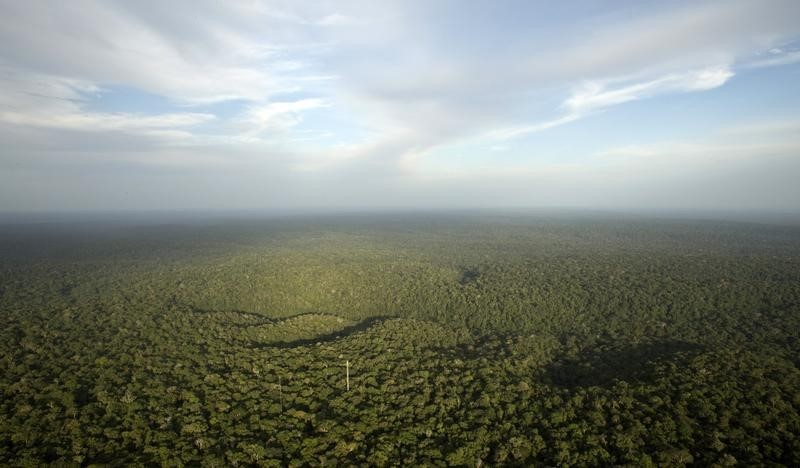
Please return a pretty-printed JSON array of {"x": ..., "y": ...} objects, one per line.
[
  {"x": 593, "y": 97},
  {"x": 277, "y": 116}
]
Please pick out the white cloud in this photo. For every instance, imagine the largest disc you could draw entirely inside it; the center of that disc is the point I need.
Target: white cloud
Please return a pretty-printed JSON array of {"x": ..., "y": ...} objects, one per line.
[
  {"x": 103, "y": 122},
  {"x": 514, "y": 132},
  {"x": 220, "y": 54},
  {"x": 596, "y": 96},
  {"x": 277, "y": 116},
  {"x": 777, "y": 58},
  {"x": 337, "y": 19},
  {"x": 486, "y": 93},
  {"x": 58, "y": 103}
]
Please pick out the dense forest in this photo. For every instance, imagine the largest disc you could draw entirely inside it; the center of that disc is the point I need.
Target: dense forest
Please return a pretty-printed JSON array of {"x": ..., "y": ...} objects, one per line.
[{"x": 465, "y": 339}]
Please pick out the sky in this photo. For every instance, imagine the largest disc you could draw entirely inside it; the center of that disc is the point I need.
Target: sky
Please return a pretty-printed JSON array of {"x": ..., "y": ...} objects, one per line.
[{"x": 249, "y": 105}]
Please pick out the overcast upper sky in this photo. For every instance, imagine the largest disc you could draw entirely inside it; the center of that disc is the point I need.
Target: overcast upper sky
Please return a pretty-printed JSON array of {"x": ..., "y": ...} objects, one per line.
[{"x": 131, "y": 105}]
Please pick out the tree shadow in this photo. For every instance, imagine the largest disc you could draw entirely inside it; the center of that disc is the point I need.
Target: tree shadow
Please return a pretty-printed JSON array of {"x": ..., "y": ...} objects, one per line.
[
  {"x": 333, "y": 336},
  {"x": 261, "y": 320},
  {"x": 603, "y": 365},
  {"x": 469, "y": 276}
]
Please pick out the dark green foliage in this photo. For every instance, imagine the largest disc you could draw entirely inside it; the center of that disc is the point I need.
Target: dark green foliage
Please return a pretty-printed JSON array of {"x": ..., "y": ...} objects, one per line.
[{"x": 493, "y": 340}]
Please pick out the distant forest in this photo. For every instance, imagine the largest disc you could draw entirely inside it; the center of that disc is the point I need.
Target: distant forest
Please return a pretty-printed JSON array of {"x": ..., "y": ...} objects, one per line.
[{"x": 467, "y": 340}]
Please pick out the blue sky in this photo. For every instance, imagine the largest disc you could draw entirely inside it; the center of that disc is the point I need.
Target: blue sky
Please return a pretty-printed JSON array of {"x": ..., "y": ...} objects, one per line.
[{"x": 119, "y": 105}]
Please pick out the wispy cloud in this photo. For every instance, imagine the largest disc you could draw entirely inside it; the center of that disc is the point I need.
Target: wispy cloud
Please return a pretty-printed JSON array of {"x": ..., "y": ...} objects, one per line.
[
  {"x": 338, "y": 19},
  {"x": 223, "y": 55},
  {"x": 775, "y": 58},
  {"x": 102, "y": 122},
  {"x": 514, "y": 132},
  {"x": 277, "y": 116},
  {"x": 51, "y": 102},
  {"x": 592, "y": 97}
]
